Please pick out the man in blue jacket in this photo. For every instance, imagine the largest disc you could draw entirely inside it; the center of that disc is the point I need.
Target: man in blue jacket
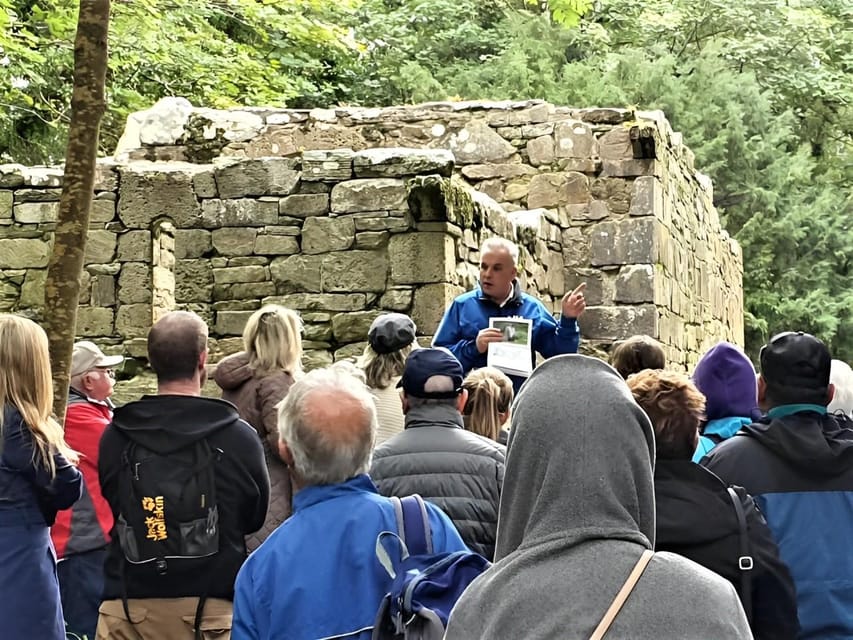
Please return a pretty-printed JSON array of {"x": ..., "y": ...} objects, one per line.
[
  {"x": 465, "y": 326},
  {"x": 317, "y": 575},
  {"x": 797, "y": 463}
]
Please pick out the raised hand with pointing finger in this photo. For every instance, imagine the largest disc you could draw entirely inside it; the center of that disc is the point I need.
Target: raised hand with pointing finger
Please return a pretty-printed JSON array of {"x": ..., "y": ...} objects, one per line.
[{"x": 574, "y": 303}]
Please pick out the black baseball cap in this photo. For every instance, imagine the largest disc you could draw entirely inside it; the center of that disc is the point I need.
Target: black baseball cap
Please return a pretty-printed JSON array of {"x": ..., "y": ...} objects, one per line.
[
  {"x": 796, "y": 365},
  {"x": 423, "y": 364}
]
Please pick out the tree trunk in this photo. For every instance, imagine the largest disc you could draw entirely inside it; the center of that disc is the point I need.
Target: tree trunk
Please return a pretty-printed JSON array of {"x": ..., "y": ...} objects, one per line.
[{"x": 62, "y": 288}]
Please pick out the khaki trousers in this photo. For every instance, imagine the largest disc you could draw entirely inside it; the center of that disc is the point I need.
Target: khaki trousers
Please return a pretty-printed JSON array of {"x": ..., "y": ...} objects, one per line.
[{"x": 164, "y": 619}]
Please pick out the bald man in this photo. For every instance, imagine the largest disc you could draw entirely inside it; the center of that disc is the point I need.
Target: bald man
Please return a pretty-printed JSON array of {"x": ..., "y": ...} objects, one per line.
[
  {"x": 317, "y": 575},
  {"x": 171, "y": 449}
]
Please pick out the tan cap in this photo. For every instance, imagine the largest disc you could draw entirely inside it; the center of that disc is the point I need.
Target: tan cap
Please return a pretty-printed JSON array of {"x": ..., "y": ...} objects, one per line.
[{"x": 87, "y": 355}]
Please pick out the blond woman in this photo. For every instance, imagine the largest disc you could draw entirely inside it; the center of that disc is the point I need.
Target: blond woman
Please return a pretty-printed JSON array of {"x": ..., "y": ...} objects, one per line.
[
  {"x": 37, "y": 479},
  {"x": 490, "y": 395},
  {"x": 255, "y": 381}
]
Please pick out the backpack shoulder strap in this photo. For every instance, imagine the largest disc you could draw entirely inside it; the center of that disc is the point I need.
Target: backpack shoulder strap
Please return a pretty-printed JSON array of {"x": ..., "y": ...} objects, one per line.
[
  {"x": 415, "y": 531},
  {"x": 744, "y": 561},
  {"x": 622, "y": 596}
]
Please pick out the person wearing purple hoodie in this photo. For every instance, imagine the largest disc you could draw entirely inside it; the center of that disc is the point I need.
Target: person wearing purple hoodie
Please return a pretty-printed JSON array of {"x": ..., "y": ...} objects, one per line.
[{"x": 726, "y": 378}]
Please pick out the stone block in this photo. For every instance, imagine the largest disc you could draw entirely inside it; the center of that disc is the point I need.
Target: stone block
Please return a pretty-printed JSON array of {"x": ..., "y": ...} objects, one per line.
[
  {"x": 192, "y": 243},
  {"x": 575, "y": 247},
  {"x": 383, "y": 223},
  {"x": 234, "y": 241},
  {"x": 574, "y": 140},
  {"x": 380, "y": 194},
  {"x": 231, "y": 323},
  {"x": 11, "y": 175},
  {"x": 243, "y": 291},
  {"x": 478, "y": 143},
  {"x": 100, "y": 247},
  {"x": 616, "y": 191},
  {"x": 32, "y": 290},
  {"x": 133, "y": 320},
  {"x": 134, "y": 246},
  {"x": 6, "y": 200},
  {"x": 256, "y": 177},
  {"x": 148, "y": 191},
  {"x": 193, "y": 280},
  {"x": 23, "y": 253},
  {"x": 332, "y": 165},
  {"x": 230, "y": 275},
  {"x": 537, "y": 130},
  {"x": 36, "y": 212},
  {"x": 390, "y": 162},
  {"x": 104, "y": 291},
  {"x": 350, "y": 351},
  {"x": 647, "y": 197},
  {"x": 276, "y": 245},
  {"x": 37, "y": 195},
  {"x": 299, "y": 272},
  {"x": 316, "y": 359},
  {"x": 493, "y": 171},
  {"x": 320, "y": 301},
  {"x": 204, "y": 184},
  {"x": 554, "y": 189},
  {"x": 352, "y": 327},
  {"x": 94, "y": 321},
  {"x": 422, "y": 257},
  {"x": 245, "y": 212},
  {"x": 304, "y": 205},
  {"x": 635, "y": 284},
  {"x": 134, "y": 283},
  {"x": 618, "y": 323},
  {"x": 540, "y": 151},
  {"x": 321, "y": 332},
  {"x": 625, "y": 242},
  {"x": 430, "y": 303},
  {"x": 103, "y": 210},
  {"x": 354, "y": 271},
  {"x": 321, "y": 235},
  {"x": 371, "y": 239},
  {"x": 616, "y": 145},
  {"x": 630, "y": 168},
  {"x": 397, "y": 300}
]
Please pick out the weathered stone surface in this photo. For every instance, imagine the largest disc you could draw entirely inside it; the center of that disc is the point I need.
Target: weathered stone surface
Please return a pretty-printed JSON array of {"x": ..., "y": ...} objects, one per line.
[
  {"x": 231, "y": 323},
  {"x": 256, "y": 177},
  {"x": 276, "y": 245},
  {"x": 6, "y": 200},
  {"x": 243, "y": 291},
  {"x": 327, "y": 165},
  {"x": 616, "y": 191},
  {"x": 43, "y": 176},
  {"x": 299, "y": 272},
  {"x": 103, "y": 210},
  {"x": 321, "y": 235},
  {"x": 193, "y": 280},
  {"x": 100, "y": 247},
  {"x": 635, "y": 284},
  {"x": 553, "y": 189},
  {"x": 491, "y": 171},
  {"x": 23, "y": 253},
  {"x": 304, "y": 205},
  {"x": 229, "y": 275},
  {"x": 395, "y": 162},
  {"x": 234, "y": 241},
  {"x": 381, "y": 194},
  {"x": 349, "y": 351},
  {"x": 134, "y": 283},
  {"x": 94, "y": 321},
  {"x": 351, "y": 327},
  {"x": 354, "y": 271},
  {"x": 204, "y": 184},
  {"x": 430, "y": 302},
  {"x": 629, "y": 168},
  {"x": 37, "y": 195},
  {"x": 134, "y": 246},
  {"x": 418, "y": 258},
  {"x": 103, "y": 291},
  {"x": 320, "y": 301},
  {"x": 132, "y": 320},
  {"x": 540, "y": 151},
  {"x": 626, "y": 242},
  {"x": 243, "y": 212},
  {"x": 11, "y": 175},
  {"x": 192, "y": 243},
  {"x": 148, "y": 191},
  {"x": 316, "y": 359},
  {"x": 396, "y": 300},
  {"x": 394, "y": 225},
  {"x": 574, "y": 140},
  {"x": 36, "y": 212},
  {"x": 647, "y": 197},
  {"x": 371, "y": 239},
  {"x": 616, "y": 145},
  {"x": 32, "y": 290},
  {"x": 477, "y": 143},
  {"x": 618, "y": 323}
]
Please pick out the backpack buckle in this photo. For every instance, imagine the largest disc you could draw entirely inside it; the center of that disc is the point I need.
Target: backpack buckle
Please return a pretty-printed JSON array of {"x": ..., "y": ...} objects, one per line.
[
  {"x": 161, "y": 566},
  {"x": 745, "y": 563}
]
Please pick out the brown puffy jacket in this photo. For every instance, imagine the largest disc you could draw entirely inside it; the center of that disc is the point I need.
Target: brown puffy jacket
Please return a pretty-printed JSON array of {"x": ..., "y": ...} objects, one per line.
[{"x": 256, "y": 397}]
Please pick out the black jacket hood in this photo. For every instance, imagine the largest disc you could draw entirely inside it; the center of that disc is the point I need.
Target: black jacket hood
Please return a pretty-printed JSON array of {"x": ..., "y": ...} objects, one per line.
[
  {"x": 165, "y": 423},
  {"x": 820, "y": 444}
]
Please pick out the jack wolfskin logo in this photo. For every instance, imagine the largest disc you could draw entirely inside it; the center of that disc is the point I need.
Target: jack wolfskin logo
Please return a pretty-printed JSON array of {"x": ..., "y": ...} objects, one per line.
[{"x": 156, "y": 522}]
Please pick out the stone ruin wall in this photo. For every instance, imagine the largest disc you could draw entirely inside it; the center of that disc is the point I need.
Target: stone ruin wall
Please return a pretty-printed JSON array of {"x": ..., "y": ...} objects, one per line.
[{"x": 346, "y": 213}]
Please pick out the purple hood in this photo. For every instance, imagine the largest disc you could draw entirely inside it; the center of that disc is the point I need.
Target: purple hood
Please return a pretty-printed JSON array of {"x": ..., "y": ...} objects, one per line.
[{"x": 727, "y": 378}]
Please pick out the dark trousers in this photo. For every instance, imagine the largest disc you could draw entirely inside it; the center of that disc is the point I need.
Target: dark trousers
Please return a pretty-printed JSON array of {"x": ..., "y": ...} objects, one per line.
[{"x": 81, "y": 584}]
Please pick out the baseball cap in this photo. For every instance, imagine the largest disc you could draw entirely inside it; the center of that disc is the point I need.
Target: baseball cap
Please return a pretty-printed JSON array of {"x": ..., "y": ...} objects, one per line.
[
  {"x": 423, "y": 364},
  {"x": 86, "y": 355},
  {"x": 796, "y": 363},
  {"x": 391, "y": 332}
]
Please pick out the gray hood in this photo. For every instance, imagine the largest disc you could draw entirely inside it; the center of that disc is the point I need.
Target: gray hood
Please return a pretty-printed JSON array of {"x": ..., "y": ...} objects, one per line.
[{"x": 572, "y": 420}]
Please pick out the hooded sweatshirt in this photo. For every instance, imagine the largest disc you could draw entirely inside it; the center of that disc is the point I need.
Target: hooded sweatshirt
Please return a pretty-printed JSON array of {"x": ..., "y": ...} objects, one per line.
[
  {"x": 165, "y": 423},
  {"x": 576, "y": 513},
  {"x": 798, "y": 465},
  {"x": 726, "y": 378}
]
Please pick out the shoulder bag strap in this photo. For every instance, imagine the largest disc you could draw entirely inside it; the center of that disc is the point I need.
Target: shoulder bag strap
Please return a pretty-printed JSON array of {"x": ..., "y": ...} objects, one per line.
[
  {"x": 417, "y": 536},
  {"x": 622, "y": 596},
  {"x": 744, "y": 561}
]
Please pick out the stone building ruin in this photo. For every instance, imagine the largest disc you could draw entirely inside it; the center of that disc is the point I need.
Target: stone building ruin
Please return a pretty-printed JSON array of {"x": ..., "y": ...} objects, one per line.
[{"x": 345, "y": 213}]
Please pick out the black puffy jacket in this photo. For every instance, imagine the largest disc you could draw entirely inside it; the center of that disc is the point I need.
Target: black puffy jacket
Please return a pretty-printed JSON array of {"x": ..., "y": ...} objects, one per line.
[
  {"x": 459, "y": 471},
  {"x": 696, "y": 519}
]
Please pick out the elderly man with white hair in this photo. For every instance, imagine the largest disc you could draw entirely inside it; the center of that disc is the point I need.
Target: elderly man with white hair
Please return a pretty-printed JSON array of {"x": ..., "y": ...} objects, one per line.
[
  {"x": 317, "y": 575},
  {"x": 465, "y": 330}
]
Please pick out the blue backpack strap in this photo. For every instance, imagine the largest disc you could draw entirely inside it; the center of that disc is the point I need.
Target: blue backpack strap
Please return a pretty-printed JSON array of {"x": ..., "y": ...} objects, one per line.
[{"x": 416, "y": 531}]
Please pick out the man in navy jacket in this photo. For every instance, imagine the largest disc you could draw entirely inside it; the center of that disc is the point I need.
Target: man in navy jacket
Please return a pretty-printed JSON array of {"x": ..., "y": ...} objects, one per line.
[
  {"x": 797, "y": 463},
  {"x": 465, "y": 326}
]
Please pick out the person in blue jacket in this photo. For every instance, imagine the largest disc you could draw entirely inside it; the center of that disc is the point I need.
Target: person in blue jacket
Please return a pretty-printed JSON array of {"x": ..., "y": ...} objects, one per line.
[
  {"x": 797, "y": 462},
  {"x": 37, "y": 479},
  {"x": 726, "y": 378},
  {"x": 317, "y": 575},
  {"x": 464, "y": 329}
]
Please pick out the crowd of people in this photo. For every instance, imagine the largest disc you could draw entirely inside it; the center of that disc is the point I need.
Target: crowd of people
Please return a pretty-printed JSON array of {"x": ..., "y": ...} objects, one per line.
[{"x": 622, "y": 498}]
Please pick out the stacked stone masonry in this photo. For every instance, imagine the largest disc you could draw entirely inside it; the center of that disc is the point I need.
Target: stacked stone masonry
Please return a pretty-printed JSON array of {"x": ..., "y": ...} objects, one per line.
[{"x": 343, "y": 214}]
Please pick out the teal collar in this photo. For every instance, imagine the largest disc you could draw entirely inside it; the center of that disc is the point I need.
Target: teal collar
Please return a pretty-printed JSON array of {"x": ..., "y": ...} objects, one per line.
[{"x": 787, "y": 409}]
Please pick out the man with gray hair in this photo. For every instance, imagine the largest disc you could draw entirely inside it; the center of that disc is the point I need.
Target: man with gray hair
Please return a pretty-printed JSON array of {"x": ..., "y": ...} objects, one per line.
[
  {"x": 317, "y": 575},
  {"x": 465, "y": 327},
  {"x": 436, "y": 457}
]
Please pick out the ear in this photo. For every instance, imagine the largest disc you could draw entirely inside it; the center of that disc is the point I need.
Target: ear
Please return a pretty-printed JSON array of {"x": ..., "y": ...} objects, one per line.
[
  {"x": 461, "y": 399},
  {"x": 405, "y": 401},
  {"x": 202, "y": 359},
  {"x": 284, "y": 452},
  {"x": 762, "y": 389},
  {"x": 504, "y": 416},
  {"x": 830, "y": 394}
]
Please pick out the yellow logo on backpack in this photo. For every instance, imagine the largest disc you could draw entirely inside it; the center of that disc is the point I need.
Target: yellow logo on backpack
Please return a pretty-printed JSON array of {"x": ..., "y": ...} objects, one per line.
[{"x": 155, "y": 523}]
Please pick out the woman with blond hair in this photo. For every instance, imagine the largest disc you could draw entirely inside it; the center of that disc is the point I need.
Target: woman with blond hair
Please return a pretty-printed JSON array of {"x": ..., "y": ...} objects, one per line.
[
  {"x": 37, "y": 479},
  {"x": 255, "y": 381},
  {"x": 490, "y": 395}
]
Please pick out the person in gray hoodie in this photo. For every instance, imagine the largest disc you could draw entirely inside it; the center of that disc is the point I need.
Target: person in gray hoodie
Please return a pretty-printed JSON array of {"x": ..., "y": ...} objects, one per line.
[{"x": 576, "y": 513}]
